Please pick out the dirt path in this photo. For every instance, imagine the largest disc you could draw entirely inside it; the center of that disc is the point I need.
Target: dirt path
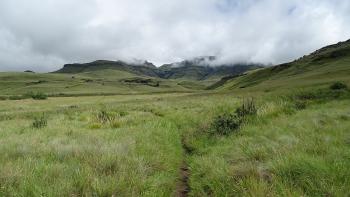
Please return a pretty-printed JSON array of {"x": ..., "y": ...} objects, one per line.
[{"x": 183, "y": 187}]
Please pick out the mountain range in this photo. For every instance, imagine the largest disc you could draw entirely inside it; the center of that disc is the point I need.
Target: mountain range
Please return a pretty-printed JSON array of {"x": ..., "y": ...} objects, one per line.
[
  {"x": 201, "y": 68},
  {"x": 320, "y": 68}
]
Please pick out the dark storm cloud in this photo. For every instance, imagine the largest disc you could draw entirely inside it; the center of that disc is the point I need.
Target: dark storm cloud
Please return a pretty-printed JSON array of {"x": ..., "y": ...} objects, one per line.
[{"x": 43, "y": 35}]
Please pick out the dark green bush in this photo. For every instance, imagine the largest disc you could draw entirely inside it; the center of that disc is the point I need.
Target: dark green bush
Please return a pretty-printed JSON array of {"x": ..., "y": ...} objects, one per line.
[
  {"x": 123, "y": 113},
  {"x": 37, "y": 95},
  {"x": 226, "y": 123},
  {"x": 338, "y": 86},
  {"x": 39, "y": 122}
]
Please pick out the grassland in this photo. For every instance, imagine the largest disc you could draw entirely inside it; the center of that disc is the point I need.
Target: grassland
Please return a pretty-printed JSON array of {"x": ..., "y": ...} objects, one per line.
[
  {"x": 103, "y": 82},
  {"x": 136, "y": 145},
  {"x": 156, "y": 137}
]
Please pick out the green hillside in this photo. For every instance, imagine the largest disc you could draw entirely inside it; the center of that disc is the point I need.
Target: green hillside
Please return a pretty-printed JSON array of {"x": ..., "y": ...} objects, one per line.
[
  {"x": 145, "y": 69},
  {"x": 329, "y": 64},
  {"x": 117, "y": 77},
  {"x": 107, "y": 81}
]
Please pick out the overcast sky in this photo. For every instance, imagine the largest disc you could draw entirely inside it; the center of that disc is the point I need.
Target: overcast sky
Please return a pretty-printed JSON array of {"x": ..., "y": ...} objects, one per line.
[{"x": 42, "y": 35}]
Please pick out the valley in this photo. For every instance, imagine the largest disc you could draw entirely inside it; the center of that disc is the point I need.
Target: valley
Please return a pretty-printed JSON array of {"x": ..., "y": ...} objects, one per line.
[{"x": 112, "y": 129}]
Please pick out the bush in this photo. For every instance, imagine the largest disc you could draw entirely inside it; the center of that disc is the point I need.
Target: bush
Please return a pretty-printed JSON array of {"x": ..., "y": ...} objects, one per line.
[
  {"x": 37, "y": 95},
  {"x": 123, "y": 113},
  {"x": 230, "y": 122},
  {"x": 226, "y": 123},
  {"x": 40, "y": 122},
  {"x": 338, "y": 86}
]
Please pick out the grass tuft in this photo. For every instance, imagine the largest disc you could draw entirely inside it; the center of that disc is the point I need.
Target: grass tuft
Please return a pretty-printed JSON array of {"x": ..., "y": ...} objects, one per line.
[{"x": 40, "y": 122}]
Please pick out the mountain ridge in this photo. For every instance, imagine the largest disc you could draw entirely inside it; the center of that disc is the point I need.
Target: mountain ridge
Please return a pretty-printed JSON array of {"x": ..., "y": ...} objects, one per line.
[
  {"x": 317, "y": 68},
  {"x": 196, "y": 69}
]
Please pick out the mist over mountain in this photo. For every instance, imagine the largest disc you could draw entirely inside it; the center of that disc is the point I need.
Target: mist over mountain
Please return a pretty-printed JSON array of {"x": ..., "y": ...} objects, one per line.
[
  {"x": 42, "y": 35},
  {"x": 199, "y": 68}
]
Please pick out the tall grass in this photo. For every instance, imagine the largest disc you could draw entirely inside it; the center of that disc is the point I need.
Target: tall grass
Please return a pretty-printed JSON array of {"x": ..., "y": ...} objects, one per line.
[{"x": 280, "y": 150}]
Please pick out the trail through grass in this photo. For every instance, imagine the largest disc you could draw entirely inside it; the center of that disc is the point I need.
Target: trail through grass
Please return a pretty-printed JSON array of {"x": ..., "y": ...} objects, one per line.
[{"x": 138, "y": 145}]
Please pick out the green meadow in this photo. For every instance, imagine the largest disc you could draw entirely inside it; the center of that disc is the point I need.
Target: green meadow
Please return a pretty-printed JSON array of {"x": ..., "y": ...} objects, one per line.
[
  {"x": 276, "y": 131},
  {"x": 136, "y": 145}
]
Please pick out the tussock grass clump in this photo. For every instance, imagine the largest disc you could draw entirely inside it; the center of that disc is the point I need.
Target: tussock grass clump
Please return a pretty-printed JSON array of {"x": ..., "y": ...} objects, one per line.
[
  {"x": 300, "y": 105},
  {"x": 103, "y": 118},
  {"x": 248, "y": 108},
  {"x": 338, "y": 86},
  {"x": 39, "y": 122}
]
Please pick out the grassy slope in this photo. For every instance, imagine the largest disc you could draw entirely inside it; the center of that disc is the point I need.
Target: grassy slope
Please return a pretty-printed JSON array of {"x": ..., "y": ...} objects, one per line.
[
  {"x": 97, "y": 82},
  {"x": 318, "y": 69}
]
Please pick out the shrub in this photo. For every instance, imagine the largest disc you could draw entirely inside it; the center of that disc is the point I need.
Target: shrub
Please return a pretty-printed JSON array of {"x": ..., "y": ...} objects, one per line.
[
  {"x": 39, "y": 122},
  {"x": 37, "y": 95},
  {"x": 226, "y": 123},
  {"x": 338, "y": 86},
  {"x": 230, "y": 122},
  {"x": 123, "y": 113}
]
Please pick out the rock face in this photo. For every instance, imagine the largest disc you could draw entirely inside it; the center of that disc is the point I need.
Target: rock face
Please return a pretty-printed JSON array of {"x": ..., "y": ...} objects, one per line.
[{"x": 195, "y": 69}]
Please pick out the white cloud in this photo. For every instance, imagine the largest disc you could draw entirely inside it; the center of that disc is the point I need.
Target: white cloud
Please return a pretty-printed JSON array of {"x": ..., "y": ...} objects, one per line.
[{"x": 42, "y": 35}]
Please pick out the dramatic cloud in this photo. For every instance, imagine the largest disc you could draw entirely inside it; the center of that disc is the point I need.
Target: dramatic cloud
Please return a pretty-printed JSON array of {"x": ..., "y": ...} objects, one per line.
[{"x": 43, "y": 35}]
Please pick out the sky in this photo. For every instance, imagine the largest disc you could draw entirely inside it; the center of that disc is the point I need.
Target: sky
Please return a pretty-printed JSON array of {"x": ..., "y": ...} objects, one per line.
[{"x": 43, "y": 35}]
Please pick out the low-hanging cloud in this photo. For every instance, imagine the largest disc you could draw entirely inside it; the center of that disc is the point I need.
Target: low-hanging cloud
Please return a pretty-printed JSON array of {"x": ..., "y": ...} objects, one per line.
[{"x": 43, "y": 35}]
